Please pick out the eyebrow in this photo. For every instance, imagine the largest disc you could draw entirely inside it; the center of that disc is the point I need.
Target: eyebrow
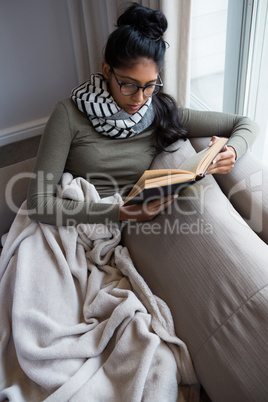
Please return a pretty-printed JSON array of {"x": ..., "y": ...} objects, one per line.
[{"x": 133, "y": 79}]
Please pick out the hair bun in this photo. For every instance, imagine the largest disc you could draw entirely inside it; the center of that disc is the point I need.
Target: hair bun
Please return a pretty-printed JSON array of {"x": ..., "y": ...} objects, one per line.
[{"x": 151, "y": 23}]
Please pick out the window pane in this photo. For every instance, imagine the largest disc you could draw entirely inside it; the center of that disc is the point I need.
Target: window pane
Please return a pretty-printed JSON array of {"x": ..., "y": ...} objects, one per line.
[{"x": 209, "y": 24}]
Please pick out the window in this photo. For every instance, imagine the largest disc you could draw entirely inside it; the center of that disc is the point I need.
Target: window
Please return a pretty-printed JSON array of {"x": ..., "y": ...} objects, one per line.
[
  {"x": 229, "y": 58},
  {"x": 209, "y": 25}
]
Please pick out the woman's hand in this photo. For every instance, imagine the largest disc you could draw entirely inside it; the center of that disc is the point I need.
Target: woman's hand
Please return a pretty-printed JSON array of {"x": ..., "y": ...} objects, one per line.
[
  {"x": 147, "y": 211},
  {"x": 224, "y": 161}
]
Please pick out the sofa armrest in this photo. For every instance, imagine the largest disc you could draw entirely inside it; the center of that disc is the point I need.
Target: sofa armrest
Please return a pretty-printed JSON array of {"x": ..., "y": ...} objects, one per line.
[
  {"x": 14, "y": 181},
  {"x": 246, "y": 186}
]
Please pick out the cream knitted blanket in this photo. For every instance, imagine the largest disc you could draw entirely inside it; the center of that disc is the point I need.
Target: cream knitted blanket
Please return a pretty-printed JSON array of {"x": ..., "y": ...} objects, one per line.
[{"x": 77, "y": 321}]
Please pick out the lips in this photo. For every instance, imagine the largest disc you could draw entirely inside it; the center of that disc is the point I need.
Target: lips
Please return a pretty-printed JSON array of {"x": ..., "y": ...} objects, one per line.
[{"x": 134, "y": 107}]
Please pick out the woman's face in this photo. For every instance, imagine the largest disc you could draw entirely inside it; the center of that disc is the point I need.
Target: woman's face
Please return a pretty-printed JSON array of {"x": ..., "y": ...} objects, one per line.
[{"x": 143, "y": 72}]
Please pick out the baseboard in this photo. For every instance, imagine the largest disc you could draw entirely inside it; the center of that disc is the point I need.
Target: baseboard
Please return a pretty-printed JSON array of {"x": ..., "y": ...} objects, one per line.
[{"x": 22, "y": 131}]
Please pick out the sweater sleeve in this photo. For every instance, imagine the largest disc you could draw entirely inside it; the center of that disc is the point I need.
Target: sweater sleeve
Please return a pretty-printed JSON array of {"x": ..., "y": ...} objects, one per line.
[
  {"x": 42, "y": 203},
  {"x": 241, "y": 130}
]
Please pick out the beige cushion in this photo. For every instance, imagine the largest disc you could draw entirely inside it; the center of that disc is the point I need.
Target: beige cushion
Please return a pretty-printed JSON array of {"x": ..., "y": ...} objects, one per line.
[{"x": 212, "y": 270}]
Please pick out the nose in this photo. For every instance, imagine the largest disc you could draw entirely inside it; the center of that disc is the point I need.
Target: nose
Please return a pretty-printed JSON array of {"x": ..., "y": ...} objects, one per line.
[{"x": 138, "y": 96}]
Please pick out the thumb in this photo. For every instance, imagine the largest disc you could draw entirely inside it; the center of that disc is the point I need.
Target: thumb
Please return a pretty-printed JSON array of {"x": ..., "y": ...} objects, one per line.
[{"x": 213, "y": 140}]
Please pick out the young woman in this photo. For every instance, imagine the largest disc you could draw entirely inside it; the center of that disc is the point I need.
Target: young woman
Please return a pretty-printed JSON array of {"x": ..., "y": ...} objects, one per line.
[
  {"x": 63, "y": 292},
  {"x": 116, "y": 122}
]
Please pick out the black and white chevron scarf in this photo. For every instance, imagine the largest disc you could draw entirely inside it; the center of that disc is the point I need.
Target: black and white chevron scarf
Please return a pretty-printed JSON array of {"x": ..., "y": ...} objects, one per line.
[{"x": 94, "y": 99}]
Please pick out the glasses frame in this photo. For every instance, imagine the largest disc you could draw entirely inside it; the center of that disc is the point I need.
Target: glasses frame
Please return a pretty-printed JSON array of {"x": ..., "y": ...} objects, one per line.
[{"x": 138, "y": 87}]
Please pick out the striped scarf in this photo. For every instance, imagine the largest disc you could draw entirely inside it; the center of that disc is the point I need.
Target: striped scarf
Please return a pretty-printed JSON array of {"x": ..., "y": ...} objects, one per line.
[{"x": 94, "y": 99}]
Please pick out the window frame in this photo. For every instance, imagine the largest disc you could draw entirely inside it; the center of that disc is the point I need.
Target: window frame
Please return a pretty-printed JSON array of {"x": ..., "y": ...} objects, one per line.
[{"x": 257, "y": 83}]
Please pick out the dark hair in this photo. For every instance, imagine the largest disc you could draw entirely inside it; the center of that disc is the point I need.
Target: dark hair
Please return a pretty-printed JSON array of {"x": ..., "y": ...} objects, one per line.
[{"x": 139, "y": 34}]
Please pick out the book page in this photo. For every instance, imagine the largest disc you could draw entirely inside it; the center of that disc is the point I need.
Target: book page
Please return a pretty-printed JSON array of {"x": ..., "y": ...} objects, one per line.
[
  {"x": 170, "y": 179},
  {"x": 154, "y": 176},
  {"x": 200, "y": 162}
]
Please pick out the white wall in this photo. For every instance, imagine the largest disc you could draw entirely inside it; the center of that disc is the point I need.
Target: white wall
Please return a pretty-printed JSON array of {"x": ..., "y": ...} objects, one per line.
[{"x": 37, "y": 64}]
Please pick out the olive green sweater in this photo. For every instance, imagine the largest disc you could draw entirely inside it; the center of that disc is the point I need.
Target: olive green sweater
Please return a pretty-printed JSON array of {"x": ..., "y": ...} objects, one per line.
[{"x": 70, "y": 144}]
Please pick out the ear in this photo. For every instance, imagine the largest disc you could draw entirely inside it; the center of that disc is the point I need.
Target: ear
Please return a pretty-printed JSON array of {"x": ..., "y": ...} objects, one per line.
[{"x": 106, "y": 70}]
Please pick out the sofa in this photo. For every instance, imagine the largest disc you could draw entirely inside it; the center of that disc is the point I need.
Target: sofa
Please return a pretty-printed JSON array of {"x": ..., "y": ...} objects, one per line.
[{"x": 220, "y": 307}]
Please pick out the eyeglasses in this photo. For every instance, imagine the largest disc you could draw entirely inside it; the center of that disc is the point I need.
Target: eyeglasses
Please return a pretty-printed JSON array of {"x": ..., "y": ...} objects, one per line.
[{"x": 131, "y": 88}]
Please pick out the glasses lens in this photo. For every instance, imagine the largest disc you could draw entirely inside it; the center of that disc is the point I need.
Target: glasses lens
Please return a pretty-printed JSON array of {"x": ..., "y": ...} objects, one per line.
[
  {"x": 129, "y": 89},
  {"x": 150, "y": 90}
]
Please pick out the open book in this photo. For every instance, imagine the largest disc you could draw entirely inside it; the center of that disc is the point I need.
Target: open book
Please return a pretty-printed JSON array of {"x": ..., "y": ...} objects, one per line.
[{"x": 161, "y": 182}]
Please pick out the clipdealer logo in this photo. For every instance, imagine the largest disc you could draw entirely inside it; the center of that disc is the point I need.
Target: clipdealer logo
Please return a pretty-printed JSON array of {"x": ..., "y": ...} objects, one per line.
[
  {"x": 251, "y": 191},
  {"x": 175, "y": 227}
]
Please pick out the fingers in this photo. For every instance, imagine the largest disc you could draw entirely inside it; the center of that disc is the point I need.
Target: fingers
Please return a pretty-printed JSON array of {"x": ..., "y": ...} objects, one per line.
[
  {"x": 154, "y": 208},
  {"x": 213, "y": 140},
  {"x": 147, "y": 211},
  {"x": 161, "y": 202},
  {"x": 224, "y": 161}
]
